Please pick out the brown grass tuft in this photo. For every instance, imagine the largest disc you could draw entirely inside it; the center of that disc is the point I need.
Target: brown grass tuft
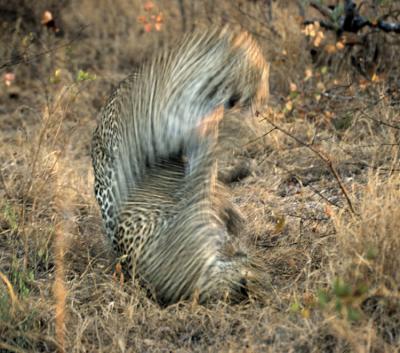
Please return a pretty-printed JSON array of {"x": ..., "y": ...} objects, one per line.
[
  {"x": 60, "y": 292},
  {"x": 11, "y": 292}
]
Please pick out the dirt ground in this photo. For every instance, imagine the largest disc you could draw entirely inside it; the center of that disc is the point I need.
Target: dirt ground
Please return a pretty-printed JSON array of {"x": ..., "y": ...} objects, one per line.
[{"x": 320, "y": 196}]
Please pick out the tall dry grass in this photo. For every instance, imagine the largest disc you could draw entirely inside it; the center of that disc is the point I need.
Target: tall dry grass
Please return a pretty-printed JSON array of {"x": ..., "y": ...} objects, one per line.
[{"x": 331, "y": 276}]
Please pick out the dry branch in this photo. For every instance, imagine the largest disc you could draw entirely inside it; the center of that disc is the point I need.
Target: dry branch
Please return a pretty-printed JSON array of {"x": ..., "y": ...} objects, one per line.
[
  {"x": 323, "y": 157},
  {"x": 28, "y": 59},
  {"x": 351, "y": 21}
]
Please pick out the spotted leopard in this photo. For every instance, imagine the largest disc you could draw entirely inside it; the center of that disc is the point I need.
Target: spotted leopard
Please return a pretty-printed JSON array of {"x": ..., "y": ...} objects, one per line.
[{"x": 154, "y": 158}]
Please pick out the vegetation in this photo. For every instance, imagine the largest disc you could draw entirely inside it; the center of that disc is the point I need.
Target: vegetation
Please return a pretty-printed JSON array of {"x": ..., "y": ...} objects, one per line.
[{"x": 322, "y": 198}]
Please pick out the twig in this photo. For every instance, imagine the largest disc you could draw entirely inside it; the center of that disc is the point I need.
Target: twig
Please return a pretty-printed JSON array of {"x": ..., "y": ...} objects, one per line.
[
  {"x": 324, "y": 10},
  {"x": 365, "y": 164},
  {"x": 20, "y": 58},
  {"x": 258, "y": 138},
  {"x": 364, "y": 113},
  {"x": 374, "y": 167},
  {"x": 9, "y": 348},
  {"x": 11, "y": 293},
  {"x": 254, "y": 18},
  {"x": 351, "y": 21},
  {"x": 323, "y": 196},
  {"x": 59, "y": 290},
  {"x": 299, "y": 178},
  {"x": 324, "y": 158},
  {"x": 5, "y": 187}
]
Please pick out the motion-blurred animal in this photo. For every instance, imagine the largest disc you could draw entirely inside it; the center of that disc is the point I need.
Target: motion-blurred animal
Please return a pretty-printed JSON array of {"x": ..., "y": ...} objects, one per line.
[{"x": 154, "y": 157}]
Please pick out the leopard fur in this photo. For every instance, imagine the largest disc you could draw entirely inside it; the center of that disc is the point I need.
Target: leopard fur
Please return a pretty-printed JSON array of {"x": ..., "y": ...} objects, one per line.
[{"x": 154, "y": 158}]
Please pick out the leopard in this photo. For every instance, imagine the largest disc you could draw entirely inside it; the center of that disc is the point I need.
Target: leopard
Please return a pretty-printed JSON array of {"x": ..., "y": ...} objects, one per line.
[{"x": 155, "y": 160}]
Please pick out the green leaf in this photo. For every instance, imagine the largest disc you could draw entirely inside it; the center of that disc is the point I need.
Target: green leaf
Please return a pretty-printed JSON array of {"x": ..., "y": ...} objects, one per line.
[
  {"x": 353, "y": 314},
  {"x": 323, "y": 297},
  {"x": 295, "y": 307},
  {"x": 341, "y": 289},
  {"x": 85, "y": 76}
]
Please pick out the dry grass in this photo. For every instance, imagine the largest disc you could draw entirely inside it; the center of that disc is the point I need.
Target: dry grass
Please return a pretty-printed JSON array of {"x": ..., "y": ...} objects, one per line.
[{"x": 332, "y": 276}]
